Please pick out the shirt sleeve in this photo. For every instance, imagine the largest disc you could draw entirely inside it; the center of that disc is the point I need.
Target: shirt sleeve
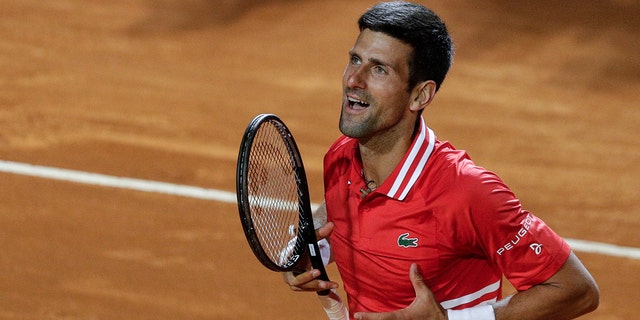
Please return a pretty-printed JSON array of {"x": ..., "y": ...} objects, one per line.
[{"x": 525, "y": 249}]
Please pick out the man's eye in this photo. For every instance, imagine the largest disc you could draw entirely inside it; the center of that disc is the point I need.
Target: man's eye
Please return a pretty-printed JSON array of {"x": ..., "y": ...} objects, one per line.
[
  {"x": 354, "y": 60},
  {"x": 379, "y": 70}
]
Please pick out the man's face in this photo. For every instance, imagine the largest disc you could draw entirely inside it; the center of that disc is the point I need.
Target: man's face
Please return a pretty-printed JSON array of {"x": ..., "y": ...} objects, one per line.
[{"x": 376, "y": 97}]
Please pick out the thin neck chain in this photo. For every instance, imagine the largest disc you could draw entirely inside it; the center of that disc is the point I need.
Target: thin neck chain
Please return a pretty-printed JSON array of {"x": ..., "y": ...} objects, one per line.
[{"x": 369, "y": 185}]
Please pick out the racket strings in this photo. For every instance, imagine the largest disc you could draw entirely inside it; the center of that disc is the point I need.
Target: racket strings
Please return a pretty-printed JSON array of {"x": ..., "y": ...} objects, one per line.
[{"x": 274, "y": 196}]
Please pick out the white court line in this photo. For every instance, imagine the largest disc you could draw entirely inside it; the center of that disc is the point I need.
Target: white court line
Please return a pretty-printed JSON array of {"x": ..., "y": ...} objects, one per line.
[
  {"x": 115, "y": 182},
  {"x": 228, "y": 197},
  {"x": 603, "y": 248}
]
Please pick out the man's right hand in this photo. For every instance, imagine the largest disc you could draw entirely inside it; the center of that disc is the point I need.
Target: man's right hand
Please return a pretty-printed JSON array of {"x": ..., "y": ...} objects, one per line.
[{"x": 307, "y": 281}]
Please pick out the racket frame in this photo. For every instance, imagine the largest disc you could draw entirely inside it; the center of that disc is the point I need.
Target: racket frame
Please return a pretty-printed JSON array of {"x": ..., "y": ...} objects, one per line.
[{"x": 306, "y": 229}]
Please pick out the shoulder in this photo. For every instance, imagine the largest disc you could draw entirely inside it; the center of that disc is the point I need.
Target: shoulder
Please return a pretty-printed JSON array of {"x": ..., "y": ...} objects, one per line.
[
  {"x": 455, "y": 170},
  {"x": 455, "y": 163},
  {"x": 340, "y": 149},
  {"x": 339, "y": 158},
  {"x": 342, "y": 143}
]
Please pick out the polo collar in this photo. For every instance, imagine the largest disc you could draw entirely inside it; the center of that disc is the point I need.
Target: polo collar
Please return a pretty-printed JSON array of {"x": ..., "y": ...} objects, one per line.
[{"x": 409, "y": 169}]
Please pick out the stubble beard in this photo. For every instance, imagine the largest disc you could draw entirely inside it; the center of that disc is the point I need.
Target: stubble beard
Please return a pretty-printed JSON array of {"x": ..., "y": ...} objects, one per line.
[{"x": 355, "y": 128}]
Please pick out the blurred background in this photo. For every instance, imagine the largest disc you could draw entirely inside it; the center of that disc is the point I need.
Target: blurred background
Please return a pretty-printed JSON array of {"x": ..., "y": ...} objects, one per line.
[{"x": 544, "y": 93}]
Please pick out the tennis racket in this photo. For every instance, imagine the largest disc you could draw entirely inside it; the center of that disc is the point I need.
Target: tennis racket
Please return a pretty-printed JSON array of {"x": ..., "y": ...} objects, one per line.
[{"x": 275, "y": 207}]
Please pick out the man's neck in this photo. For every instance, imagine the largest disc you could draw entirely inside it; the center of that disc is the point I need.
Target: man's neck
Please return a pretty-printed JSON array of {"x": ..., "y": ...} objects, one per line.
[{"x": 382, "y": 154}]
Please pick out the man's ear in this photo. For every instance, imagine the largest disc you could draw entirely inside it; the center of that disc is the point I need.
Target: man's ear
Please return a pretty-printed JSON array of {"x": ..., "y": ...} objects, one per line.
[{"x": 423, "y": 94}]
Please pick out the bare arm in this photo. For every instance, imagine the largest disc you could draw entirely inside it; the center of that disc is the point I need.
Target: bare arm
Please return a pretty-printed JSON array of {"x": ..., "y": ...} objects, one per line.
[
  {"x": 569, "y": 293},
  {"x": 320, "y": 216}
]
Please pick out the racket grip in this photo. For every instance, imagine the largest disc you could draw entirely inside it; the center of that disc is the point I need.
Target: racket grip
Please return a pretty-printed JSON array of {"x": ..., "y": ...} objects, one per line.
[{"x": 334, "y": 307}]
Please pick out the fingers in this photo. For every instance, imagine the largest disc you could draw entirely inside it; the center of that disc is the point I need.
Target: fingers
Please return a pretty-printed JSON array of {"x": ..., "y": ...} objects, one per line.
[
  {"x": 424, "y": 306},
  {"x": 425, "y": 302},
  {"x": 417, "y": 280},
  {"x": 307, "y": 281},
  {"x": 324, "y": 231}
]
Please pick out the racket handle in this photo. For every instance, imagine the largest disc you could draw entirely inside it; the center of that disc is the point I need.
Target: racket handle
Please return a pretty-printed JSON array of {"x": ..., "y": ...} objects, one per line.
[{"x": 334, "y": 307}]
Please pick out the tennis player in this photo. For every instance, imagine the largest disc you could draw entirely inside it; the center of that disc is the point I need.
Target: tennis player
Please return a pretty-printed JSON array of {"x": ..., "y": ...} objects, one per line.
[{"x": 418, "y": 231}]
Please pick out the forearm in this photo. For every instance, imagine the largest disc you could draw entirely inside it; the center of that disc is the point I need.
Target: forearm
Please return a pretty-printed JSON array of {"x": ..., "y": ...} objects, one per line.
[
  {"x": 536, "y": 303},
  {"x": 320, "y": 215},
  {"x": 568, "y": 294}
]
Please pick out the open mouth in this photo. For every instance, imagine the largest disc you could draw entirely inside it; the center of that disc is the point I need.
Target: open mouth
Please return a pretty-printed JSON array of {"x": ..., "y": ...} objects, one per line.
[{"x": 357, "y": 104}]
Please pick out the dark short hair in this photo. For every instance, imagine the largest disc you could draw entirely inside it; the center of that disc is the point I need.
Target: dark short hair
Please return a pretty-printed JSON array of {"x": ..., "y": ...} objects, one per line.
[{"x": 419, "y": 27}]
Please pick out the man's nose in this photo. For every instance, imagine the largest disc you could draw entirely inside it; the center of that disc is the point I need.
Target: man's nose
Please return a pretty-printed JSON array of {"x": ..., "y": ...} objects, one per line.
[{"x": 355, "y": 78}]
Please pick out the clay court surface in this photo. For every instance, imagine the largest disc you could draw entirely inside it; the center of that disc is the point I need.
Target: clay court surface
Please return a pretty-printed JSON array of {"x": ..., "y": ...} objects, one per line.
[{"x": 545, "y": 93}]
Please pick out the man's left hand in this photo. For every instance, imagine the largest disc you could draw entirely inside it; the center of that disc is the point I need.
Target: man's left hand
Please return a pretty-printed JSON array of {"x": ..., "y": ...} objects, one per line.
[{"x": 424, "y": 307}]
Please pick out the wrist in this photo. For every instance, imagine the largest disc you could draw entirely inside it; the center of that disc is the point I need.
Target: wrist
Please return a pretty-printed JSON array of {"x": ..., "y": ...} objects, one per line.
[
  {"x": 325, "y": 251},
  {"x": 484, "y": 312}
]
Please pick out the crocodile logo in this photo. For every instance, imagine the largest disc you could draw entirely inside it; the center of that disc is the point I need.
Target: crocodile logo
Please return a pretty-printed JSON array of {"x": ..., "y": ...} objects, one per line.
[{"x": 406, "y": 242}]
